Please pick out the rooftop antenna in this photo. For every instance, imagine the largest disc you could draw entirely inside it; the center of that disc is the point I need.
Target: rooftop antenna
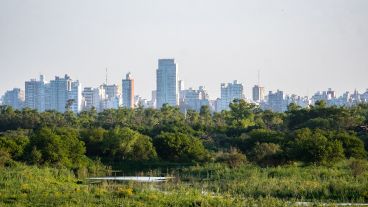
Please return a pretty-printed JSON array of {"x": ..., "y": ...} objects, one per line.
[
  {"x": 259, "y": 77},
  {"x": 106, "y": 77}
]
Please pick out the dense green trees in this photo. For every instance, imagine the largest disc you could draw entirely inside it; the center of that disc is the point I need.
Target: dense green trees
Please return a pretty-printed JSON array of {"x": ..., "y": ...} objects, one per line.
[
  {"x": 56, "y": 147},
  {"x": 126, "y": 144},
  {"x": 314, "y": 147},
  {"x": 179, "y": 147},
  {"x": 267, "y": 154},
  {"x": 318, "y": 134},
  {"x": 323, "y": 117},
  {"x": 14, "y": 143}
]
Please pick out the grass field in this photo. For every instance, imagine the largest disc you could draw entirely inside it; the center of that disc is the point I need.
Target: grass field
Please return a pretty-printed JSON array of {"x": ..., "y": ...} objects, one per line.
[{"x": 208, "y": 185}]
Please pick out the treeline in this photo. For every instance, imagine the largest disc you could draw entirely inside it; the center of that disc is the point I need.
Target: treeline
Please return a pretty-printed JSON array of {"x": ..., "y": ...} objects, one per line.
[{"x": 316, "y": 135}]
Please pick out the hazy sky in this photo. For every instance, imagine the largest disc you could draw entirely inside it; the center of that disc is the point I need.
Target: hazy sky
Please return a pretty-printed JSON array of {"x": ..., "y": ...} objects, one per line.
[{"x": 300, "y": 46}]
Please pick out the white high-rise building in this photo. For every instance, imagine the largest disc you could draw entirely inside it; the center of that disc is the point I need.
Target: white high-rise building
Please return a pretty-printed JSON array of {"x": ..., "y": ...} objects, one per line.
[
  {"x": 230, "y": 92},
  {"x": 87, "y": 98},
  {"x": 63, "y": 94},
  {"x": 75, "y": 94},
  {"x": 35, "y": 94},
  {"x": 167, "y": 83},
  {"x": 128, "y": 91},
  {"x": 59, "y": 93},
  {"x": 14, "y": 98},
  {"x": 94, "y": 98},
  {"x": 113, "y": 98},
  {"x": 276, "y": 101},
  {"x": 112, "y": 91},
  {"x": 258, "y": 93}
]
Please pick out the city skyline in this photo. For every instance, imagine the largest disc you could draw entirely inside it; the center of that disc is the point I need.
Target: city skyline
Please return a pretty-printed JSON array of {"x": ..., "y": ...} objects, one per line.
[
  {"x": 63, "y": 94},
  {"x": 248, "y": 90},
  {"x": 299, "y": 47}
]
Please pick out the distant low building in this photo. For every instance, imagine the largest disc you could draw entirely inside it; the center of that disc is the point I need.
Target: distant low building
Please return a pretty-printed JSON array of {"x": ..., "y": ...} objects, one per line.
[
  {"x": 194, "y": 99},
  {"x": 276, "y": 101}
]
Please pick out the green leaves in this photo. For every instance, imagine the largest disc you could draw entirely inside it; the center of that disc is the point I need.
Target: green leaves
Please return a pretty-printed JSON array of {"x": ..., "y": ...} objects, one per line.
[
  {"x": 179, "y": 147},
  {"x": 127, "y": 144},
  {"x": 60, "y": 147},
  {"x": 241, "y": 114},
  {"x": 314, "y": 147}
]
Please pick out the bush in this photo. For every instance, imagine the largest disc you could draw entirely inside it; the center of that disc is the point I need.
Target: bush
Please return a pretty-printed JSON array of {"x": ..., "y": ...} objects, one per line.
[
  {"x": 14, "y": 142},
  {"x": 127, "y": 144},
  {"x": 5, "y": 158},
  {"x": 358, "y": 167},
  {"x": 179, "y": 147},
  {"x": 353, "y": 146},
  {"x": 314, "y": 147},
  {"x": 233, "y": 158},
  {"x": 266, "y": 154},
  {"x": 60, "y": 147}
]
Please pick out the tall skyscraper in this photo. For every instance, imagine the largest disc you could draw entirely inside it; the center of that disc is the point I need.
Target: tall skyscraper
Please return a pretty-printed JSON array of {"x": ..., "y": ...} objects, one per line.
[
  {"x": 167, "y": 83},
  {"x": 59, "y": 93},
  {"x": 75, "y": 94},
  {"x": 128, "y": 91},
  {"x": 14, "y": 98},
  {"x": 230, "y": 92},
  {"x": 35, "y": 94},
  {"x": 258, "y": 93}
]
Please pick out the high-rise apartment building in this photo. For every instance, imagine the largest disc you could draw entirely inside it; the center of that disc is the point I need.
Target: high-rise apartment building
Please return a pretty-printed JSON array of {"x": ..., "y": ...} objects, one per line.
[
  {"x": 113, "y": 97},
  {"x": 112, "y": 91},
  {"x": 75, "y": 94},
  {"x": 276, "y": 101},
  {"x": 128, "y": 91},
  {"x": 88, "y": 98},
  {"x": 167, "y": 83},
  {"x": 258, "y": 93},
  {"x": 94, "y": 98},
  {"x": 35, "y": 94},
  {"x": 59, "y": 93},
  {"x": 230, "y": 92},
  {"x": 64, "y": 94},
  {"x": 14, "y": 98}
]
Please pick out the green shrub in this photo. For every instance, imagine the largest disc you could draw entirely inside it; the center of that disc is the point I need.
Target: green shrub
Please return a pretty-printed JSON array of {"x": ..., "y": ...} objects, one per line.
[
  {"x": 266, "y": 154},
  {"x": 233, "y": 158}
]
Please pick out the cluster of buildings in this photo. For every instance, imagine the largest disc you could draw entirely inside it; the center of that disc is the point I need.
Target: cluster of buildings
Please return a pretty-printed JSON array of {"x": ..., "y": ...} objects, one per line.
[
  {"x": 62, "y": 94},
  {"x": 279, "y": 101}
]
